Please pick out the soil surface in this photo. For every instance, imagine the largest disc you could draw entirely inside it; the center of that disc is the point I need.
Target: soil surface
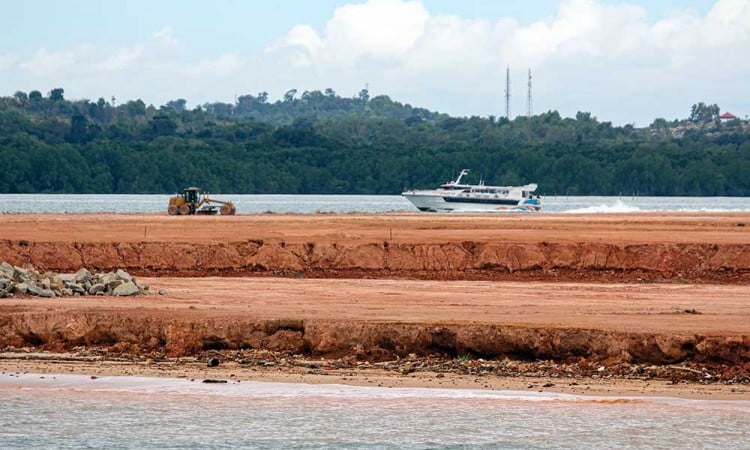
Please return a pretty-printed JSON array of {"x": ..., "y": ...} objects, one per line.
[
  {"x": 409, "y": 228},
  {"x": 644, "y": 296},
  {"x": 658, "y": 247},
  {"x": 387, "y": 319}
]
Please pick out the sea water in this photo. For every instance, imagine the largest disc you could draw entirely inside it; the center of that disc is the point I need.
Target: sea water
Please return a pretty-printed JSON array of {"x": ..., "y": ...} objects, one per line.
[
  {"x": 308, "y": 204},
  {"x": 73, "y": 411}
]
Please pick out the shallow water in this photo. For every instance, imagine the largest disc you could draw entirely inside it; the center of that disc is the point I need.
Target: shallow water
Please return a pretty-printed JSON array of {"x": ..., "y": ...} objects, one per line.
[
  {"x": 307, "y": 204},
  {"x": 131, "y": 412}
]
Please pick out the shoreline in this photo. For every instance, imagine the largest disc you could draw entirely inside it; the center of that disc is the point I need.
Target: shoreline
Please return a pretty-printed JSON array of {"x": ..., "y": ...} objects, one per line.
[{"x": 49, "y": 364}]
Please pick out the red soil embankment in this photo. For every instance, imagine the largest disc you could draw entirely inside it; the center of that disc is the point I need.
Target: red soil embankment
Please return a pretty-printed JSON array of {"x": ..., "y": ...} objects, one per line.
[
  {"x": 448, "y": 261},
  {"x": 543, "y": 247},
  {"x": 382, "y": 319}
]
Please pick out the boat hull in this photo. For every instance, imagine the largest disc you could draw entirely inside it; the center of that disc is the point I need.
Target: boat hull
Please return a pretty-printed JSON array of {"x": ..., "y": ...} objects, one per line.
[{"x": 443, "y": 203}]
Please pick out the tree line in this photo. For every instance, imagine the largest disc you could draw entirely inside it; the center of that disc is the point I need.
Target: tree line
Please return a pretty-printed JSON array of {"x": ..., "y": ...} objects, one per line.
[{"x": 322, "y": 143}]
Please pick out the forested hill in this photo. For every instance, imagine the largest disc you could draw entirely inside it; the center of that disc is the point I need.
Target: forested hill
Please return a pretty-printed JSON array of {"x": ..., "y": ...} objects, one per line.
[{"x": 319, "y": 142}]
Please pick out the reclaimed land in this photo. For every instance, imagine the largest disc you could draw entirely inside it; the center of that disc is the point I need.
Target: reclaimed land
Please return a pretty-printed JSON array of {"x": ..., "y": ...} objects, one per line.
[{"x": 568, "y": 297}]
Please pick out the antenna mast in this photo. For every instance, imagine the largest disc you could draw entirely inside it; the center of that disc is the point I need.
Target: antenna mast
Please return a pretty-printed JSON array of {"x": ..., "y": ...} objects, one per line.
[
  {"x": 529, "y": 111},
  {"x": 507, "y": 93}
]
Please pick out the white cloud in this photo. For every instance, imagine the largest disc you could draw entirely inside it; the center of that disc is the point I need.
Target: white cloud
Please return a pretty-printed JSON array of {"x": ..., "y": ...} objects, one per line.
[
  {"x": 378, "y": 29},
  {"x": 299, "y": 46},
  {"x": 224, "y": 65},
  {"x": 608, "y": 58},
  {"x": 45, "y": 63},
  {"x": 121, "y": 59},
  {"x": 165, "y": 35},
  {"x": 604, "y": 57}
]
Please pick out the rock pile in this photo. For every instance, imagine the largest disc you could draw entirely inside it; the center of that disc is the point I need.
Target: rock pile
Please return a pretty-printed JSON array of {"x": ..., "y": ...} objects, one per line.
[{"x": 19, "y": 280}]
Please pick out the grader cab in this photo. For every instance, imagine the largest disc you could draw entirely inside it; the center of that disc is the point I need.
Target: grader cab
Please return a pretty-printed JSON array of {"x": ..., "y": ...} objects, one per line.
[{"x": 194, "y": 201}]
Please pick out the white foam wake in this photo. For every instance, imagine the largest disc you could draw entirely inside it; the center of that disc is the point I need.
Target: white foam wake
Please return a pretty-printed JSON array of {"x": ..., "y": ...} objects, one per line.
[{"x": 618, "y": 207}]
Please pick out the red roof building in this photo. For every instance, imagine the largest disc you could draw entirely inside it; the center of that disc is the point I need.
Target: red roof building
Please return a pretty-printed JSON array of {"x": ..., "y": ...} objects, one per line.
[{"x": 727, "y": 116}]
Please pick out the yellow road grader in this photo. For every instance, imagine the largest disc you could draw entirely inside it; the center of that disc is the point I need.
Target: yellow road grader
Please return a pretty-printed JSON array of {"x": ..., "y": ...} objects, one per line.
[{"x": 194, "y": 201}]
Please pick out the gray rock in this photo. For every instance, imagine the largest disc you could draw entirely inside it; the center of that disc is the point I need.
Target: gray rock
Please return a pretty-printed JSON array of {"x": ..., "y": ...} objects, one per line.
[
  {"x": 66, "y": 293},
  {"x": 82, "y": 276},
  {"x": 122, "y": 275},
  {"x": 46, "y": 284},
  {"x": 105, "y": 278},
  {"x": 40, "y": 291},
  {"x": 125, "y": 289},
  {"x": 55, "y": 283},
  {"x": 69, "y": 277},
  {"x": 73, "y": 287},
  {"x": 22, "y": 288},
  {"x": 114, "y": 284},
  {"x": 6, "y": 270},
  {"x": 97, "y": 288},
  {"x": 6, "y": 289},
  {"x": 22, "y": 275},
  {"x": 162, "y": 292},
  {"x": 141, "y": 286}
]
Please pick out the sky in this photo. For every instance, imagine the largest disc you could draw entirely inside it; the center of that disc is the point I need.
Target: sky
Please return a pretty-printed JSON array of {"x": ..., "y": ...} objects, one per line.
[{"x": 623, "y": 61}]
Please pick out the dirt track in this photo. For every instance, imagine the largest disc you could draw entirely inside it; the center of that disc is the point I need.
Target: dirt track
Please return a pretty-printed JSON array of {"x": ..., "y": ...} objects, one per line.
[
  {"x": 411, "y": 307},
  {"x": 650, "y": 228}
]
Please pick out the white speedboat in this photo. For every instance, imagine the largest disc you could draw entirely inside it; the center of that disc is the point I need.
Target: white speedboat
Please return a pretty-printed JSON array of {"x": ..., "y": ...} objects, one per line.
[{"x": 454, "y": 196}]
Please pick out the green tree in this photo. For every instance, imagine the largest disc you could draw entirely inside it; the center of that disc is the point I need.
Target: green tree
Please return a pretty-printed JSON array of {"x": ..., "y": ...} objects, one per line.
[
  {"x": 78, "y": 129},
  {"x": 364, "y": 95},
  {"x": 163, "y": 125},
  {"x": 56, "y": 94},
  {"x": 701, "y": 113},
  {"x": 289, "y": 95},
  {"x": 177, "y": 105}
]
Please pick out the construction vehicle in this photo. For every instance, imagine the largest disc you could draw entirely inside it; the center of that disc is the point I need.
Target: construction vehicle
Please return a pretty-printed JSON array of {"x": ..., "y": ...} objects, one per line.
[{"x": 194, "y": 201}]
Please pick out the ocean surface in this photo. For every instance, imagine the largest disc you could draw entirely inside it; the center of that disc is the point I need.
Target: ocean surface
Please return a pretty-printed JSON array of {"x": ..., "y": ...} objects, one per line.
[
  {"x": 73, "y": 411},
  {"x": 308, "y": 204}
]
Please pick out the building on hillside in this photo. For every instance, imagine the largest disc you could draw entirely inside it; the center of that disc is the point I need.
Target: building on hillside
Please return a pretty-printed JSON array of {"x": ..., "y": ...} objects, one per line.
[{"x": 727, "y": 117}]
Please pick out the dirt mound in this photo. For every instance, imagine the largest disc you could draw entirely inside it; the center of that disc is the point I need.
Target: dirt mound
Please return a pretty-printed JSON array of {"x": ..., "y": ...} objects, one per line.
[{"x": 464, "y": 260}]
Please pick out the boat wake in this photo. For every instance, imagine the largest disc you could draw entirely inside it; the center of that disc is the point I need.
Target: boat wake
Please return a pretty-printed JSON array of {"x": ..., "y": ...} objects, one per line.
[{"x": 618, "y": 207}]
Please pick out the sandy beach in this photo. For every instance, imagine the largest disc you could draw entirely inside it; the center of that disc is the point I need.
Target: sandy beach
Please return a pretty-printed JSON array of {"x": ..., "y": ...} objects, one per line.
[{"x": 630, "y": 304}]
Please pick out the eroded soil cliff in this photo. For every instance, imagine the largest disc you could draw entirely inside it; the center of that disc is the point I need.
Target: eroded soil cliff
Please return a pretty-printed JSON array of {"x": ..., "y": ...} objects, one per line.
[
  {"x": 173, "y": 336},
  {"x": 449, "y": 261}
]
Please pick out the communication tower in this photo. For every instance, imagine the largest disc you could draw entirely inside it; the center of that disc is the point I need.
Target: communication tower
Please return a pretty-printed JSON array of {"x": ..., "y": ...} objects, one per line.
[
  {"x": 507, "y": 93},
  {"x": 529, "y": 110}
]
